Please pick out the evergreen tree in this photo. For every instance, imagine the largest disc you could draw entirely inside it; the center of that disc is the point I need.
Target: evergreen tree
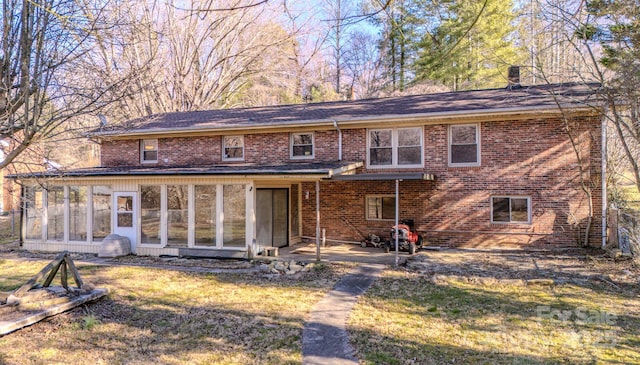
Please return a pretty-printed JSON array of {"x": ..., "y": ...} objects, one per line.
[
  {"x": 615, "y": 25},
  {"x": 401, "y": 24},
  {"x": 471, "y": 45}
]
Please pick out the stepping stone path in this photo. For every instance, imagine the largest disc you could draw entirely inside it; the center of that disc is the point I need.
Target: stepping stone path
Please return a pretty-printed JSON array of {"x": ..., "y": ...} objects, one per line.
[{"x": 324, "y": 339}]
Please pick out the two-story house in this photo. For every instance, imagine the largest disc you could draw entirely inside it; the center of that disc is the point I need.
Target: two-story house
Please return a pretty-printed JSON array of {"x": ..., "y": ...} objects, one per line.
[{"x": 473, "y": 168}]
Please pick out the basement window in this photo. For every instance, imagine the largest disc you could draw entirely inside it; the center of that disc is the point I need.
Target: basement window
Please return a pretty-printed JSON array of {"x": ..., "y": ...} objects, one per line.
[
  {"x": 510, "y": 209},
  {"x": 381, "y": 207},
  {"x": 149, "y": 150}
]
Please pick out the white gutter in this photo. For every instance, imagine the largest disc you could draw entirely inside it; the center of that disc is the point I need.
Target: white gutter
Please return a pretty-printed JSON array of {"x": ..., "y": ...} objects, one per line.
[
  {"x": 604, "y": 180},
  {"x": 318, "y": 220},
  {"x": 397, "y": 220},
  {"x": 335, "y": 124}
]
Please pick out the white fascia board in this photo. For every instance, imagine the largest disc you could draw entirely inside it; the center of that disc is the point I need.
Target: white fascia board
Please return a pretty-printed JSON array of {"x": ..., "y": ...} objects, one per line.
[{"x": 359, "y": 122}]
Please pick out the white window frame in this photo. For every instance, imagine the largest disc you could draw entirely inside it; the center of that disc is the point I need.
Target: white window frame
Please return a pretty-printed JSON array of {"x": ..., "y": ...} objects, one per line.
[
  {"x": 43, "y": 215},
  {"x": 366, "y": 206},
  {"x": 450, "y": 143},
  {"x": 224, "y": 148},
  {"x": 219, "y": 216},
  {"x": 142, "y": 145},
  {"x": 40, "y": 212},
  {"x": 394, "y": 149},
  {"x": 65, "y": 214},
  {"x": 313, "y": 146},
  {"x": 528, "y": 198},
  {"x": 68, "y": 208}
]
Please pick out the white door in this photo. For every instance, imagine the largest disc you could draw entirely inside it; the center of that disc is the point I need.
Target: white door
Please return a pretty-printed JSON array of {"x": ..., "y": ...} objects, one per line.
[{"x": 126, "y": 216}]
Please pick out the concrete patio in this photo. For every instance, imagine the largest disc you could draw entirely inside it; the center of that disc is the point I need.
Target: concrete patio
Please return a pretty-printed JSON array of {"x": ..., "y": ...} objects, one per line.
[{"x": 339, "y": 252}]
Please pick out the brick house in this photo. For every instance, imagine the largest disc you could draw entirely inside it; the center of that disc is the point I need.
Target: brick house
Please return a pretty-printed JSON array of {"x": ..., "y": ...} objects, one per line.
[{"x": 474, "y": 168}]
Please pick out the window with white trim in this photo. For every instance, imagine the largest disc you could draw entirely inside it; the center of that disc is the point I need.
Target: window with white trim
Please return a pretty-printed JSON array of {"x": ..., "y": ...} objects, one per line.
[
  {"x": 381, "y": 207},
  {"x": 34, "y": 207},
  {"x": 395, "y": 147},
  {"x": 55, "y": 213},
  {"x": 510, "y": 209},
  {"x": 464, "y": 145},
  {"x": 149, "y": 150},
  {"x": 301, "y": 145},
  {"x": 233, "y": 149}
]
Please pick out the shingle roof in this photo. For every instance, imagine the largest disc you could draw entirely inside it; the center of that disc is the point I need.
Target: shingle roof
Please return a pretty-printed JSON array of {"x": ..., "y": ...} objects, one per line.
[
  {"x": 318, "y": 169},
  {"x": 529, "y": 97}
]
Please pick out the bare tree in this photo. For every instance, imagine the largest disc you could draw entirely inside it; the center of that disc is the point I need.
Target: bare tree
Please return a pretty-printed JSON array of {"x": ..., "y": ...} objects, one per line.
[
  {"x": 337, "y": 14},
  {"x": 195, "y": 55},
  {"x": 43, "y": 45},
  {"x": 307, "y": 47},
  {"x": 364, "y": 65},
  {"x": 547, "y": 28}
]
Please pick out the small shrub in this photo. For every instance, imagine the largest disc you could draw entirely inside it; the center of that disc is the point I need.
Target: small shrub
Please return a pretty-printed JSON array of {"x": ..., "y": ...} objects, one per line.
[{"x": 89, "y": 321}]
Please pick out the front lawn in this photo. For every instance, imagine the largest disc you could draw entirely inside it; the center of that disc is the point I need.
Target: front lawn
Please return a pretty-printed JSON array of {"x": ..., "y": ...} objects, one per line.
[
  {"x": 452, "y": 307},
  {"x": 157, "y": 316},
  {"x": 492, "y": 315}
]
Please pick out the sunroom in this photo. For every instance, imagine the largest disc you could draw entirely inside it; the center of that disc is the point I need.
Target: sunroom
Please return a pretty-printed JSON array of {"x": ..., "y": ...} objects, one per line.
[{"x": 209, "y": 212}]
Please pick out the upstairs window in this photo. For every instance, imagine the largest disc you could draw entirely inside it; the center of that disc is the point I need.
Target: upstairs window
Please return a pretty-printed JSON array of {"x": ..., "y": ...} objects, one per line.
[
  {"x": 395, "y": 147},
  {"x": 149, "y": 150},
  {"x": 464, "y": 145},
  {"x": 301, "y": 145},
  {"x": 510, "y": 209},
  {"x": 233, "y": 148}
]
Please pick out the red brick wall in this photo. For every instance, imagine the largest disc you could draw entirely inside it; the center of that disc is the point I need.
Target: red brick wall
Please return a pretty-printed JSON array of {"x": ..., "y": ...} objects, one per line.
[
  {"x": 120, "y": 153},
  {"x": 258, "y": 148},
  {"x": 523, "y": 158},
  {"x": 171, "y": 151}
]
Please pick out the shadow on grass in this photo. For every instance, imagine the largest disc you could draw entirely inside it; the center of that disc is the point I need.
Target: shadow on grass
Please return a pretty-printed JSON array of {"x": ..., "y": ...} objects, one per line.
[
  {"x": 416, "y": 320},
  {"x": 569, "y": 266},
  {"x": 179, "y": 326},
  {"x": 189, "y": 334}
]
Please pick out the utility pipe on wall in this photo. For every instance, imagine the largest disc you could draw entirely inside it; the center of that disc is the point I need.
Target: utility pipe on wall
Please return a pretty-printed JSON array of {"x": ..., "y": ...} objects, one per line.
[
  {"x": 397, "y": 215},
  {"x": 604, "y": 180},
  {"x": 318, "y": 220}
]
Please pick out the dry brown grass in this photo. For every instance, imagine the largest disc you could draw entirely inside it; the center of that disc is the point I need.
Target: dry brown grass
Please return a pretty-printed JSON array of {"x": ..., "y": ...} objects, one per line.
[
  {"x": 170, "y": 317},
  {"x": 464, "y": 312},
  {"x": 469, "y": 308}
]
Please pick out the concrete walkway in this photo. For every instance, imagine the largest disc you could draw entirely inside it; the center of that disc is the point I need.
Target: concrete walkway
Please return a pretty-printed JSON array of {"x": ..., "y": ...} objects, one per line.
[{"x": 324, "y": 338}]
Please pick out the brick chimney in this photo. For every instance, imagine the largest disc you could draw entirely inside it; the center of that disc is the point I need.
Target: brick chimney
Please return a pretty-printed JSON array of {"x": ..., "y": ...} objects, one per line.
[{"x": 514, "y": 77}]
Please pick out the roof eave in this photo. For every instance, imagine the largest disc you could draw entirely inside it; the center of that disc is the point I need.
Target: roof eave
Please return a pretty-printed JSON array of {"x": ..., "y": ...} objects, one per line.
[
  {"x": 304, "y": 174},
  {"x": 495, "y": 114}
]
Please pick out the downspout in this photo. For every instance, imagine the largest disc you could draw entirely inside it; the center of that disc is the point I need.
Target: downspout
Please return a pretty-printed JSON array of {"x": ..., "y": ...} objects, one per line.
[
  {"x": 604, "y": 180},
  {"x": 335, "y": 124},
  {"x": 317, "y": 220},
  {"x": 397, "y": 220}
]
